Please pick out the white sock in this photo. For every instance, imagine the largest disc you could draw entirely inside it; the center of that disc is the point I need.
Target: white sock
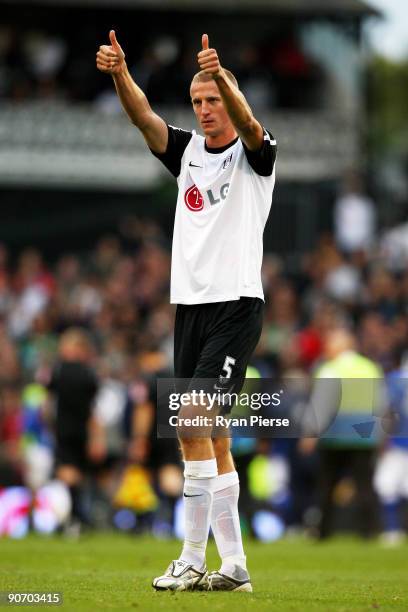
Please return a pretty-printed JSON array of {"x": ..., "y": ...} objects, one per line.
[
  {"x": 225, "y": 523},
  {"x": 199, "y": 478}
]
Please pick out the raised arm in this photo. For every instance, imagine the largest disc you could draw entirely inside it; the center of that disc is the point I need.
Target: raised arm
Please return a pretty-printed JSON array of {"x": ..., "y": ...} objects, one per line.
[
  {"x": 249, "y": 129},
  {"x": 111, "y": 60}
]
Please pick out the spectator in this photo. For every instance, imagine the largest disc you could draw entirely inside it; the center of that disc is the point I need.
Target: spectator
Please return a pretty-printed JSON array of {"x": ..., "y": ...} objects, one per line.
[
  {"x": 354, "y": 217},
  {"x": 391, "y": 473},
  {"x": 344, "y": 453}
]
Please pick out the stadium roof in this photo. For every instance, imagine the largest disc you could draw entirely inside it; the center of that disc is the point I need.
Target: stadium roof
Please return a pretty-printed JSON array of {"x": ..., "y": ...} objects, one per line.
[{"x": 358, "y": 8}]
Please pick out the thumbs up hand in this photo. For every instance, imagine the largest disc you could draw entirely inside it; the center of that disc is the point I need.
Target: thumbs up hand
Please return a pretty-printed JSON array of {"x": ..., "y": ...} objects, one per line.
[
  {"x": 208, "y": 58},
  {"x": 110, "y": 58}
]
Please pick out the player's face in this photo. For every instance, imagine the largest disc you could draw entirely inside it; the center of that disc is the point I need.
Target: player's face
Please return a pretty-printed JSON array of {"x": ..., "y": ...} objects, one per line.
[{"x": 209, "y": 109}]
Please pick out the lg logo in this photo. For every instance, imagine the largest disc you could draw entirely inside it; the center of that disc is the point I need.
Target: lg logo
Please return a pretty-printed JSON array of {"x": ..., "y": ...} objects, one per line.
[
  {"x": 221, "y": 196},
  {"x": 195, "y": 201}
]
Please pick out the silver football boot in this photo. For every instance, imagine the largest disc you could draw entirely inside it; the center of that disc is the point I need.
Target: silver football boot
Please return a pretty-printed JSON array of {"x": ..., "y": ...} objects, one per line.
[
  {"x": 180, "y": 576},
  {"x": 239, "y": 581}
]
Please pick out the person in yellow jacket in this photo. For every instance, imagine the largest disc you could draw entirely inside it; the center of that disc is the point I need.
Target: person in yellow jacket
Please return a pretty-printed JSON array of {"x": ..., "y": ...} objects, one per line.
[{"x": 348, "y": 447}]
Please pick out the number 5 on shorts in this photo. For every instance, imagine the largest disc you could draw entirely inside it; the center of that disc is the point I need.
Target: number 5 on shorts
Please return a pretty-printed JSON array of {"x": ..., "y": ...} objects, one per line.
[{"x": 227, "y": 367}]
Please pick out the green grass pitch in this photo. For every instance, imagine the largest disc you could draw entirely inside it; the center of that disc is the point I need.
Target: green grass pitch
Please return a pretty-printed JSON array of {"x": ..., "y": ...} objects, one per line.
[{"x": 114, "y": 572}]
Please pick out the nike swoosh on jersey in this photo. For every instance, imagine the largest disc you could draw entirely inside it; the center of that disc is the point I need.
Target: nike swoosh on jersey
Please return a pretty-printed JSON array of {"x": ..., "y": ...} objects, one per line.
[
  {"x": 194, "y": 165},
  {"x": 200, "y": 495}
]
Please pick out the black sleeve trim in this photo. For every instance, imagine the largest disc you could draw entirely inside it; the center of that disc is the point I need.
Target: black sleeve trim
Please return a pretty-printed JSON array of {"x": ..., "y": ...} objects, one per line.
[
  {"x": 178, "y": 139},
  {"x": 262, "y": 161}
]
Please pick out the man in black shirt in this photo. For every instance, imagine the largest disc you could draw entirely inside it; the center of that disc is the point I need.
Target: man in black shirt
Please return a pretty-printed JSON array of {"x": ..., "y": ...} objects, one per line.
[{"x": 77, "y": 433}]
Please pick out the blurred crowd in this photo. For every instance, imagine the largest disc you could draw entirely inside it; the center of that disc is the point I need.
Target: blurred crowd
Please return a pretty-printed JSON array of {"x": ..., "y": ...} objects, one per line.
[
  {"x": 356, "y": 278},
  {"x": 45, "y": 65}
]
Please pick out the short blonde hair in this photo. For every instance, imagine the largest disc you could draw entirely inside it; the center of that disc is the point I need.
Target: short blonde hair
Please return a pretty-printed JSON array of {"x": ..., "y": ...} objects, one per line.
[{"x": 203, "y": 77}]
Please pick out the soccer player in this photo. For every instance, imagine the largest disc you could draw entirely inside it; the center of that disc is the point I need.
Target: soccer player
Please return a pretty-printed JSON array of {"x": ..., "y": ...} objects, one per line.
[{"x": 225, "y": 181}]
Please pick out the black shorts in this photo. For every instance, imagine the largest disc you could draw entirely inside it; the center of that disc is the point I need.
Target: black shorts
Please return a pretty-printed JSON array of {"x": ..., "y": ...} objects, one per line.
[
  {"x": 71, "y": 451},
  {"x": 216, "y": 341}
]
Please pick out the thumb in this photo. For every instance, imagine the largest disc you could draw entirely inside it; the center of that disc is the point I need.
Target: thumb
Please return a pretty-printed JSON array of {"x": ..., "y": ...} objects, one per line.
[
  {"x": 204, "y": 41},
  {"x": 114, "y": 42}
]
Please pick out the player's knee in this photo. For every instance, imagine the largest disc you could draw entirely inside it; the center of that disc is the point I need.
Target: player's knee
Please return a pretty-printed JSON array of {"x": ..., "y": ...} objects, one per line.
[{"x": 193, "y": 423}]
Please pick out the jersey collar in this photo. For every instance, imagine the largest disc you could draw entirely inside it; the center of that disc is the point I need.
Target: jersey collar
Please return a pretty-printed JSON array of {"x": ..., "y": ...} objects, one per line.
[{"x": 220, "y": 149}]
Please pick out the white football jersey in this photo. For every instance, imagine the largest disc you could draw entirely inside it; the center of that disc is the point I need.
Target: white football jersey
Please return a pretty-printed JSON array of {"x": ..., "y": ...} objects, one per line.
[{"x": 224, "y": 199}]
